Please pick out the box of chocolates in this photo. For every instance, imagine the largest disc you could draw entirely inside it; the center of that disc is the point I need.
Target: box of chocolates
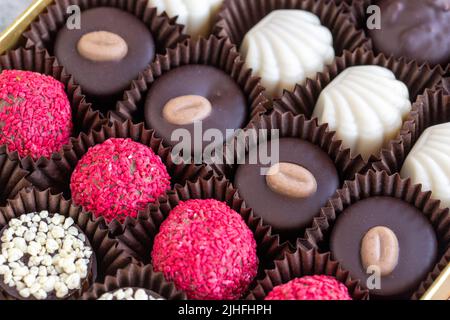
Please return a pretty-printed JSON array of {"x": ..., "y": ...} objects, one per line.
[{"x": 226, "y": 150}]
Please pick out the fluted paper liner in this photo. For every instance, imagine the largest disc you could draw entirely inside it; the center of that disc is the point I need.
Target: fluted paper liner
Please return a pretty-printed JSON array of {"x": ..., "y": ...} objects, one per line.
[
  {"x": 219, "y": 53},
  {"x": 237, "y": 17},
  {"x": 303, "y": 263},
  {"x": 303, "y": 99},
  {"x": 12, "y": 178},
  {"x": 297, "y": 126},
  {"x": 136, "y": 235},
  {"x": 431, "y": 108},
  {"x": 56, "y": 173},
  {"x": 109, "y": 257},
  {"x": 432, "y": 276},
  {"x": 83, "y": 117},
  {"x": 42, "y": 32},
  {"x": 136, "y": 276},
  {"x": 378, "y": 184}
]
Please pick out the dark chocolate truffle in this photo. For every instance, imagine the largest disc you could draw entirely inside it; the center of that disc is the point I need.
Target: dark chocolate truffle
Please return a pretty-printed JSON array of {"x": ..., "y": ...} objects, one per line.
[
  {"x": 106, "y": 53},
  {"x": 415, "y": 29},
  {"x": 205, "y": 93},
  {"x": 287, "y": 212},
  {"x": 410, "y": 244}
]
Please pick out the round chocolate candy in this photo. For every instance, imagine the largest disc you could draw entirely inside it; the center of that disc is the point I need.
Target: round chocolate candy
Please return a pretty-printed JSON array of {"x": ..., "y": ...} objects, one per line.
[
  {"x": 193, "y": 93},
  {"x": 292, "y": 195},
  {"x": 106, "y": 53},
  {"x": 415, "y": 29},
  {"x": 386, "y": 243}
]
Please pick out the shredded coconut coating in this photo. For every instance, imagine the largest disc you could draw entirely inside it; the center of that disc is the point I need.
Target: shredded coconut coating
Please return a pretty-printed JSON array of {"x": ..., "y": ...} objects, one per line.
[
  {"x": 35, "y": 114},
  {"x": 207, "y": 250},
  {"x": 118, "y": 178},
  {"x": 317, "y": 287}
]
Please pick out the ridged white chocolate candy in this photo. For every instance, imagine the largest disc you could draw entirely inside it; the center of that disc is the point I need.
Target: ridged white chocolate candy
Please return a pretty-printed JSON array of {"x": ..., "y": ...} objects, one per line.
[
  {"x": 428, "y": 163},
  {"x": 286, "y": 47},
  {"x": 196, "y": 15},
  {"x": 366, "y": 106}
]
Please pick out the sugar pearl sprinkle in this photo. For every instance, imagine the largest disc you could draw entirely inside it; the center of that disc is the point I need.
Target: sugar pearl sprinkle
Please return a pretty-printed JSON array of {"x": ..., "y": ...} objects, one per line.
[
  {"x": 43, "y": 255},
  {"x": 128, "y": 294}
]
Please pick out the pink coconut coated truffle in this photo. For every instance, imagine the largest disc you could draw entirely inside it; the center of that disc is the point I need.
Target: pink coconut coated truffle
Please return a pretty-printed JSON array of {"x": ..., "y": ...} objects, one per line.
[
  {"x": 207, "y": 250},
  {"x": 118, "y": 178},
  {"x": 317, "y": 287},
  {"x": 35, "y": 114}
]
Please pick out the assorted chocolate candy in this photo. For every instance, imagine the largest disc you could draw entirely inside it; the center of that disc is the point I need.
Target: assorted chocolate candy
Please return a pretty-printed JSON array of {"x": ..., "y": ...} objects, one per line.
[{"x": 340, "y": 108}]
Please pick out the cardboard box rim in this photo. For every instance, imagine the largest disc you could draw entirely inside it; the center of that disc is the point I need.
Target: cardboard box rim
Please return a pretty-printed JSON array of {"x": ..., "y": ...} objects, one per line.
[{"x": 11, "y": 38}]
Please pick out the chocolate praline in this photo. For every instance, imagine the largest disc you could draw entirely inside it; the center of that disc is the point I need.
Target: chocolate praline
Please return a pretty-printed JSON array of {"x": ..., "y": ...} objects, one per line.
[
  {"x": 104, "y": 81},
  {"x": 415, "y": 29},
  {"x": 228, "y": 101},
  {"x": 289, "y": 216},
  {"x": 417, "y": 243}
]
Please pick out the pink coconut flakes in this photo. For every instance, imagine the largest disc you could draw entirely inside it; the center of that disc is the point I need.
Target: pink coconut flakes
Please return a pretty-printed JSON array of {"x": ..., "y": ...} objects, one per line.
[
  {"x": 316, "y": 287},
  {"x": 35, "y": 114},
  {"x": 118, "y": 178},
  {"x": 206, "y": 248}
]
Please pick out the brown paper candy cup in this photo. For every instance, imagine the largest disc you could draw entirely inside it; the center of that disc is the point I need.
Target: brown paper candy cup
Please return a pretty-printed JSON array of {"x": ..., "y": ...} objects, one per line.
[
  {"x": 302, "y": 263},
  {"x": 42, "y": 33},
  {"x": 375, "y": 184},
  {"x": 137, "y": 235},
  {"x": 304, "y": 98},
  {"x": 136, "y": 276},
  {"x": 83, "y": 117},
  {"x": 432, "y": 276},
  {"x": 297, "y": 126},
  {"x": 219, "y": 53},
  {"x": 109, "y": 257},
  {"x": 57, "y": 172},
  {"x": 12, "y": 178},
  {"x": 416, "y": 77},
  {"x": 431, "y": 108},
  {"x": 237, "y": 17}
]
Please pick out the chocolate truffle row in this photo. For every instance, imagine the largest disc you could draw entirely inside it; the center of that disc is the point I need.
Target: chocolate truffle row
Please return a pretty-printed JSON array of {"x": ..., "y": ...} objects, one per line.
[
  {"x": 339, "y": 94},
  {"x": 362, "y": 204},
  {"x": 135, "y": 276},
  {"x": 141, "y": 237},
  {"x": 42, "y": 70},
  {"x": 302, "y": 263},
  {"x": 116, "y": 170},
  {"x": 107, "y": 257},
  {"x": 134, "y": 33}
]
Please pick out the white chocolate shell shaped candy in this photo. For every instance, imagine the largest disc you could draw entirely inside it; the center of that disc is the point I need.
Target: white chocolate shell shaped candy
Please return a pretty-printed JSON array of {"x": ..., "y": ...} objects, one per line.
[
  {"x": 286, "y": 47},
  {"x": 366, "y": 106},
  {"x": 428, "y": 163},
  {"x": 196, "y": 15}
]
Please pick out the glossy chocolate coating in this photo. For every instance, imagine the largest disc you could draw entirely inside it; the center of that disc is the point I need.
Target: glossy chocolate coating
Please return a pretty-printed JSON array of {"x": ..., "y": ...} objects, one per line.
[
  {"x": 229, "y": 105},
  {"x": 106, "y": 80},
  {"x": 416, "y": 29},
  {"x": 289, "y": 216},
  {"x": 418, "y": 247}
]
